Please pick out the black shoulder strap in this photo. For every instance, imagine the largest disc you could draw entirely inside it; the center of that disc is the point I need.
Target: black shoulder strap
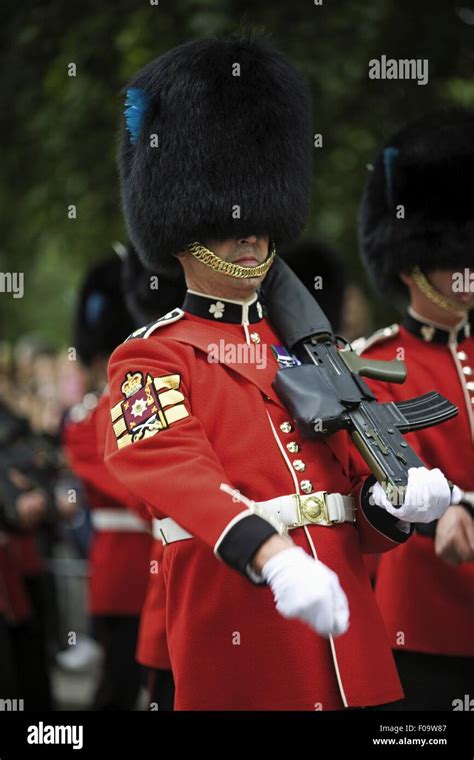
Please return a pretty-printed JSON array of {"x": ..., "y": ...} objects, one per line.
[{"x": 292, "y": 310}]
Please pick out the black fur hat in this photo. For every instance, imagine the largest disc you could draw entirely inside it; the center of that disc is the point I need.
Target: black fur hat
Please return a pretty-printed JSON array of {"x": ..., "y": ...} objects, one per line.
[
  {"x": 233, "y": 157},
  {"x": 428, "y": 168},
  {"x": 310, "y": 259},
  {"x": 101, "y": 320},
  {"x": 148, "y": 295}
]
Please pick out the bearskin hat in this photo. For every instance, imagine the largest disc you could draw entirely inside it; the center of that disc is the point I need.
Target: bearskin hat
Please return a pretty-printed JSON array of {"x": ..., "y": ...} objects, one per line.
[
  {"x": 215, "y": 144},
  {"x": 418, "y": 205},
  {"x": 101, "y": 321}
]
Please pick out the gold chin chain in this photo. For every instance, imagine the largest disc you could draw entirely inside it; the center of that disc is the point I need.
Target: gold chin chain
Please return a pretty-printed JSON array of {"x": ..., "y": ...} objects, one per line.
[
  {"x": 210, "y": 259},
  {"x": 434, "y": 295}
]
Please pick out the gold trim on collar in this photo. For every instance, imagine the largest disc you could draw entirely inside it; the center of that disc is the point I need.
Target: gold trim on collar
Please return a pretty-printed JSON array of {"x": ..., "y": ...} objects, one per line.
[{"x": 210, "y": 259}]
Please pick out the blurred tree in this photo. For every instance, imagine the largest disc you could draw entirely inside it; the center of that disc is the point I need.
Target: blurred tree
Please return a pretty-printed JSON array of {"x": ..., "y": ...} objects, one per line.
[{"x": 59, "y": 131}]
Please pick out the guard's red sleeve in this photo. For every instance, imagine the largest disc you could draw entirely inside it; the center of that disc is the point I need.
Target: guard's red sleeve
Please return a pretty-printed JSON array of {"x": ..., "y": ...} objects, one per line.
[{"x": 175, "y": 470}]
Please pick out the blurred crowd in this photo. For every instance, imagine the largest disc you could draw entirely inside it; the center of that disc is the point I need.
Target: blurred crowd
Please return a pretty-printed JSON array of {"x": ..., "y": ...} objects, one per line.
[{"x": 42, "y": 507}]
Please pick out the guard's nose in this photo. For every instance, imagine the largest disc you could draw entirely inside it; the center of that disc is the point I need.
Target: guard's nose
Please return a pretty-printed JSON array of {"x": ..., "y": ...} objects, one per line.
[{"x": 249, "y": 239}]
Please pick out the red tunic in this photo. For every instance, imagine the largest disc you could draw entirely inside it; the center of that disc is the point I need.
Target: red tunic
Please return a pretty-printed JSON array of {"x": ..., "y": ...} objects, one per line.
[
  {"x": 229, "y": 647},
  {"x": 119, "y": 560},
  {"x": 427, "y": 604},
  {"x": 152, "y": 646}
]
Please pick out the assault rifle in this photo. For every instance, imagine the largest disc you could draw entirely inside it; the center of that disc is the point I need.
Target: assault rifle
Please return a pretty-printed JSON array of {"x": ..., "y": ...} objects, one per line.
[{"x": 325, "y": 392}]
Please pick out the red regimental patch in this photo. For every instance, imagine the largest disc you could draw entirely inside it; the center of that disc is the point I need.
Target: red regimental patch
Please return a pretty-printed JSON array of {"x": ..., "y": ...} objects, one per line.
[{"x": 149, "y": 405}]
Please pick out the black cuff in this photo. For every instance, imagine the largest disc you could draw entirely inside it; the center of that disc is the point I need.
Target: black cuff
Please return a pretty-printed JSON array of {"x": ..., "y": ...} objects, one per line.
[
  {"x": 377, "y": 516},
  {"x": 242, "y": 540}
]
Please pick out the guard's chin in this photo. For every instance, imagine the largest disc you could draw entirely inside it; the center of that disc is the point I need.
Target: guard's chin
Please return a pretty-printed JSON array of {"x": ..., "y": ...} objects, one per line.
[{"x": 244, "y": 288}]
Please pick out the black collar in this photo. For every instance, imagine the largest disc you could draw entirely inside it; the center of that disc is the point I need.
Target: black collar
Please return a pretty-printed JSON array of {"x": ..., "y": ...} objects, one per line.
[
  {"x": 221, "y": 309},
  {"x": 431, "y": 332}
]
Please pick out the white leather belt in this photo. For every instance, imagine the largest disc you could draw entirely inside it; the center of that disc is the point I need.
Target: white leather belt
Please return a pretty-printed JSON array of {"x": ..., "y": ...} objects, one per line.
[
  {"x": 118, "y": 520},
  {"x": 294, "y": 511}
]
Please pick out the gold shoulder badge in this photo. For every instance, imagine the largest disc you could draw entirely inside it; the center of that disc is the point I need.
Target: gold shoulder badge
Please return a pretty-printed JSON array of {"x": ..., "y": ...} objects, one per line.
[
  {"x": 362, "y": 344},
  {"x": 149, "y": 405}
]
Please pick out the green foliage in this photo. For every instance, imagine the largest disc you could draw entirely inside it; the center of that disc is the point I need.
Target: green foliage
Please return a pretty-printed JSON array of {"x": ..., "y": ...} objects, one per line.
[{"x": 59, "y": 132}]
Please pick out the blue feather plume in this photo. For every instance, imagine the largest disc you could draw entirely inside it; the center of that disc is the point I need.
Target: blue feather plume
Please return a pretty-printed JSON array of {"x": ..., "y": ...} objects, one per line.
[
  {"x": 94, "y": 308},
  {"x": 137, "y": 104}
]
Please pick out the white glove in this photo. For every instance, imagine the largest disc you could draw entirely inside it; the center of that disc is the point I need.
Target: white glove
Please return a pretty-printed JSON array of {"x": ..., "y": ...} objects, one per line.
[
  {"x": 427, "y": 496},
  {"x": 305, "y": 589}
]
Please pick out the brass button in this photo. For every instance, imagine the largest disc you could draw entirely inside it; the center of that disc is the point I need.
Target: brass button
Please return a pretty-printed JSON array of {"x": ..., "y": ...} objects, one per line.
[
  {"x": 462, "y": 355},
  {"x": 467, "y": 370},
  {"x": 255, "y": 337},
  {"x": 299, "y": 465},
  {"x": 286, "y": 427},
  {"x": 293, "y": 447},
  {"x": 306, "y": 486},
  {"x": 470, "y": 385}
]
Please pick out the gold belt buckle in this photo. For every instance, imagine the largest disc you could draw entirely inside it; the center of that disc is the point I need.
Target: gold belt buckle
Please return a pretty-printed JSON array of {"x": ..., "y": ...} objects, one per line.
[{"x": 312, "y": 508}]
